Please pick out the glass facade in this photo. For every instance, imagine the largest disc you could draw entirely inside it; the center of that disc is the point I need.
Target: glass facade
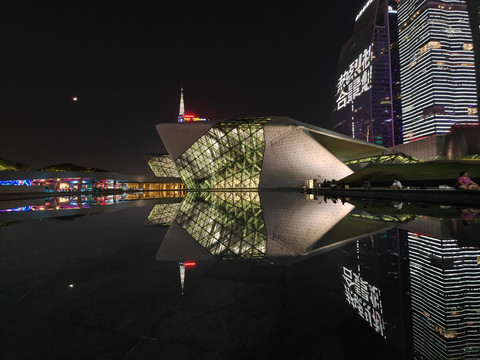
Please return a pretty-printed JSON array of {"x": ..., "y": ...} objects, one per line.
[
  {"x": 228, "y": 225},
  {"x": 162, "y": 165},
  {"x": 162, "y": 214},
  {"x": 437, "y": 67},
  {"x": 229, "y": 155},
  {"x": 385, "y": 159}
]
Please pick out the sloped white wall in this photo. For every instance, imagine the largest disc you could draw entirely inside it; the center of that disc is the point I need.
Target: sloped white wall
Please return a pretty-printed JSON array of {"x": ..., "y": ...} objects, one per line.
[
  {"x": 292, "y": 156},
  {"x": 294, "y": 224}
]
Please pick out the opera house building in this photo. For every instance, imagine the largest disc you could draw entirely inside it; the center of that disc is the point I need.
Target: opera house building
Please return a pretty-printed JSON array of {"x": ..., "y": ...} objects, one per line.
[{"x": 260, "y": 153}]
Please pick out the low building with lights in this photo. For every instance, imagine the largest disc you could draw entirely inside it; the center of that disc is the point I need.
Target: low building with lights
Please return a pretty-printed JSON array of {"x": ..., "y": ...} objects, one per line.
[{"x": 30, "y": 182}]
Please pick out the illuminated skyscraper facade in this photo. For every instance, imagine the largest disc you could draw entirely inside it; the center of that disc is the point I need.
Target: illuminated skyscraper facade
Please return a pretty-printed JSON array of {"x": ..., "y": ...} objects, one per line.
[
  {"x": 445, "y": 293},
  {"x": 367, "y": 98},
  {"x": 437, "y": 67}
]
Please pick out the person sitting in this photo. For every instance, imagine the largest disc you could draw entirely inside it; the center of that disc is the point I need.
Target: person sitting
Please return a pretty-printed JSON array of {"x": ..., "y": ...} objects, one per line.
[
  {"x": 396, "y": 184},
  {"x": 465, "y": 183}
]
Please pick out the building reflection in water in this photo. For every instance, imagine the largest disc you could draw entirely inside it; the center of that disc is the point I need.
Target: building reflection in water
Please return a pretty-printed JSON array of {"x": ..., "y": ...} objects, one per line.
[
  {"x": 78, "y": 205},
  {"x": 412, "y": 273},
  {"x": 163, "y": 214},
  {"x": 445, "y": 290},
  {"x": 249, "y": 226}
]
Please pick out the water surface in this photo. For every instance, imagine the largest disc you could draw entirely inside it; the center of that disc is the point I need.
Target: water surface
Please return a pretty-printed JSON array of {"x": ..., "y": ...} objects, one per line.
[{"x": 277, "y": 275}]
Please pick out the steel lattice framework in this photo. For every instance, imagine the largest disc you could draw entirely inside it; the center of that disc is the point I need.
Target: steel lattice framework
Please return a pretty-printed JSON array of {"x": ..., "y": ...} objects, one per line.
[
  {"x": 229, "y": 225},
  {"x": 229, "y": 155}
]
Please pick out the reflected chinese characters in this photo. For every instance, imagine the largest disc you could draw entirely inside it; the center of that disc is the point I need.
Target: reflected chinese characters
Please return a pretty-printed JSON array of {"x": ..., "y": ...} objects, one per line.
[{"x": 410, "y": 272}]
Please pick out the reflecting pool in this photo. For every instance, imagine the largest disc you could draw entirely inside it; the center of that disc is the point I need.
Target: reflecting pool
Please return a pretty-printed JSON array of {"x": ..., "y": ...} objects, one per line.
[{"x": 236, "y": 275}]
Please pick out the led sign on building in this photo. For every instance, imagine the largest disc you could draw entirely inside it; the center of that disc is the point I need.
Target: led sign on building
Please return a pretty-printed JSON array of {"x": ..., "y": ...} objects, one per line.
[
  {"x": 355, "y": 80},
  {"x": 365, "y": 298}
]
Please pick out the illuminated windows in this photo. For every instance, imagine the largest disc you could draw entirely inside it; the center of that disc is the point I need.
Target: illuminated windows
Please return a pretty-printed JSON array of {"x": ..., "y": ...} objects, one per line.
[
  {"x": 229, "y": 155},
  {"x": 437, "y": 68},
  {"x": 162, "y": 165},
  {"x": 162, "y": 214},
  {"x": 430, "y": 45},
  {"x": 229, "y": 225}
]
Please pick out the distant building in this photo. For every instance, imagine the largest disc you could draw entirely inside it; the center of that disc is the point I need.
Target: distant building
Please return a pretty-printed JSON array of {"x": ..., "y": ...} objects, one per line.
[
  {"x": 460, "y": 143},
  {"x": 367, "y": 98},
  {"x": 437, "y": 67},
  {"x": 18, "y": 182}
]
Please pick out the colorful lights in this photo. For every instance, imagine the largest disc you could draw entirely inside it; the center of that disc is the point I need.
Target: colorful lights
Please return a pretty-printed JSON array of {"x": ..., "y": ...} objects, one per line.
[
  {"x": 17, "y": 209},
  {"x": 190, "y": 264},
  {"x": 16, "y": 182},
  {"x": 191, "y": 117}
]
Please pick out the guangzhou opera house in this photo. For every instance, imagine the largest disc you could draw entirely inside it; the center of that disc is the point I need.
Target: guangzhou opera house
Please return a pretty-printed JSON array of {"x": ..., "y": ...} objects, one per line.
[{"x": 261, "y": 153}]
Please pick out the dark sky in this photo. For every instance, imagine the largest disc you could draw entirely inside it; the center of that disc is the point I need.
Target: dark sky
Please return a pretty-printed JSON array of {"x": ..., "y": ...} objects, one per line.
[{"x": 126, "y": 63}]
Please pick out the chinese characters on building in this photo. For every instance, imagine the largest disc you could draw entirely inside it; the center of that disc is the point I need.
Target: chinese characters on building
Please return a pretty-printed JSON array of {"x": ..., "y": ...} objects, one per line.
[
  {"x": 355, "y": 80},
  {"x": 365, "y": 298}
]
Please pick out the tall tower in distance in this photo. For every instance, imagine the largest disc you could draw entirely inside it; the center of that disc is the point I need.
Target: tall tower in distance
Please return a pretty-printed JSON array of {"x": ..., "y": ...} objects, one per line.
[
  {"x": 182, "y": 117},
  {"x": 437, "y": 67},
  {"x": 181, "y": 112},
  {"x": 367, "y": 98}
]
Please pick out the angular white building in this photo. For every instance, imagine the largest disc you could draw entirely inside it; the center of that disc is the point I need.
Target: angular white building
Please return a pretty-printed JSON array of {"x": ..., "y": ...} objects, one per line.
[{"x": 260, "y": 153}]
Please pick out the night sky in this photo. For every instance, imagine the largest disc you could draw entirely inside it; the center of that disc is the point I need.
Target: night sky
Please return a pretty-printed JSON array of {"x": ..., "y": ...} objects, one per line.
[{"x": 126, "y": 63}]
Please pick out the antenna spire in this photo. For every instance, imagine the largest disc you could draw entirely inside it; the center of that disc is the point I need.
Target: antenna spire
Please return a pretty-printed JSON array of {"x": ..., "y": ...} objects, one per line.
[{"x": 181, "y": 112}]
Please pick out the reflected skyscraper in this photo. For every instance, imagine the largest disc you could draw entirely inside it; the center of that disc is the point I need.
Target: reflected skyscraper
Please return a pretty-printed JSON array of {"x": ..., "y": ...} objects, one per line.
[
  {"x": 445, "y": 291},
  {"x": 437, "y": 67},
  {"x": 375, "y": 281}
]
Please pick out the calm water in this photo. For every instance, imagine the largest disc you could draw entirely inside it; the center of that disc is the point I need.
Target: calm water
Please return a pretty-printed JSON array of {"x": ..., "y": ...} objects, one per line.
[{"x": 274, "y": 276}]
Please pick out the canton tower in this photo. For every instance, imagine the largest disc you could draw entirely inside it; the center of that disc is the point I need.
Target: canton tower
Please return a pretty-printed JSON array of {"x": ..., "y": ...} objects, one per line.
[{"x": 181, "y": 112}]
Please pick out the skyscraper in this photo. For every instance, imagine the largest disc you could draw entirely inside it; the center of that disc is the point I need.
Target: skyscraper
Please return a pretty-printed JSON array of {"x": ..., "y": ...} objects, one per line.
[
  {"x": 367, "y": 98},
  {"x": 437, "y": 67}
]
